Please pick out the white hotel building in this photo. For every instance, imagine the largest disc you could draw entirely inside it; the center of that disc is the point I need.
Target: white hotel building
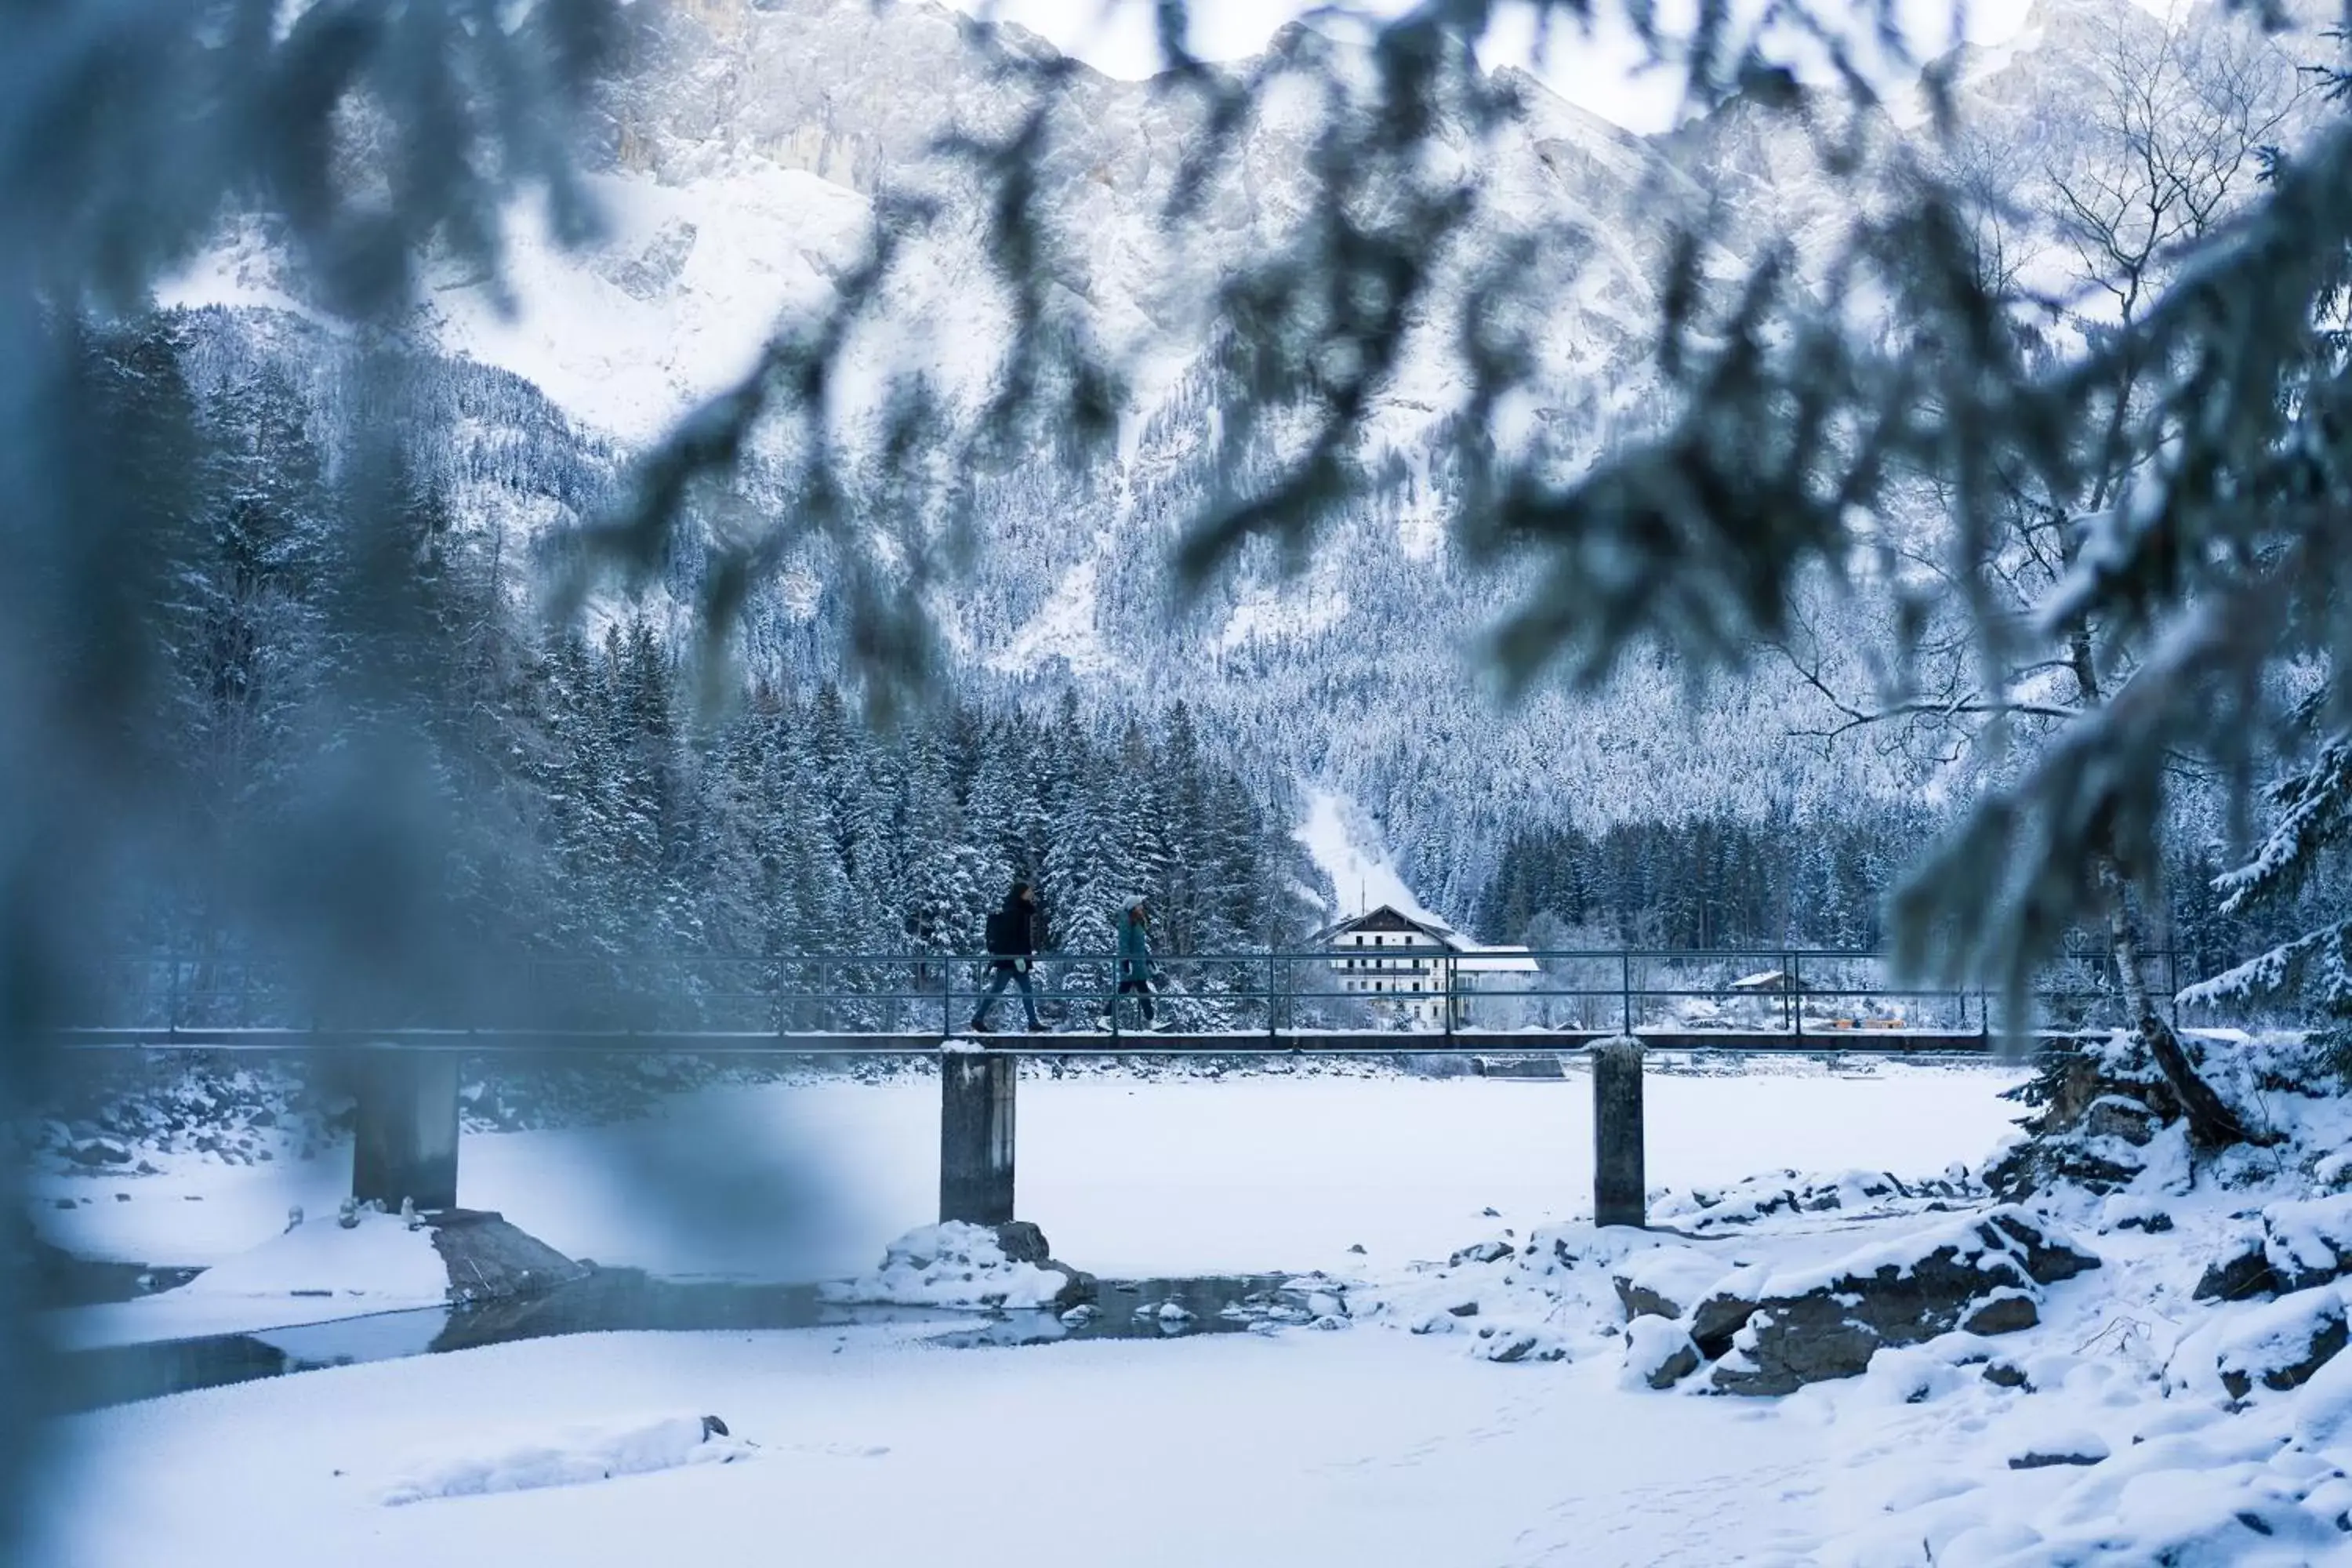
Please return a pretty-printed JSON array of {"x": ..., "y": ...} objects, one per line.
[{"x": 1411, "y": 968}]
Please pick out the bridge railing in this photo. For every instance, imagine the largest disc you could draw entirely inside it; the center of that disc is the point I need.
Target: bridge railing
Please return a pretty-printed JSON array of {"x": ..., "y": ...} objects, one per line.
[{"x": 1795, "y": 991}]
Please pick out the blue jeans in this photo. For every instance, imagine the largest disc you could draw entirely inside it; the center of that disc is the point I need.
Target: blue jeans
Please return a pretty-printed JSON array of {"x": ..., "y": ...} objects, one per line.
[{"x": 1006, "y": 975}]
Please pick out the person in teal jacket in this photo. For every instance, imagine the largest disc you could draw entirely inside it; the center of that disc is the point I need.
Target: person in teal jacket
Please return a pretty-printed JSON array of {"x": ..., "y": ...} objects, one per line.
[{"x": 1135, "y": 962}]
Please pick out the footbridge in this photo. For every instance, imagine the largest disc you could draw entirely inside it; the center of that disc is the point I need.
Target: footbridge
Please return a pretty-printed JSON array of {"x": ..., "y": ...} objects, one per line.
[{"x": 1486, "y": 1008}]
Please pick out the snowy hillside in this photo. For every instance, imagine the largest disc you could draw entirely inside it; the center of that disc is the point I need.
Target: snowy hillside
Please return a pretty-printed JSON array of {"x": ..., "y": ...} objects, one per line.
[{"x": 742, "y": 156}]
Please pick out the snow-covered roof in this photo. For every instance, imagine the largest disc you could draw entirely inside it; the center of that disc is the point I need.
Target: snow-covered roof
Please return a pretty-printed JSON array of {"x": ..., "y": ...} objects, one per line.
[
  {"x": 1387, "y": 918},
  {"x": 1478, "y": 959}
]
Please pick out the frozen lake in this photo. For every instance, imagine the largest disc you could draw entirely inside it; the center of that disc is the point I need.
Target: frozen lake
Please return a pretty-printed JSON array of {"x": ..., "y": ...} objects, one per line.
[{"x": 1243, "y": 1175}]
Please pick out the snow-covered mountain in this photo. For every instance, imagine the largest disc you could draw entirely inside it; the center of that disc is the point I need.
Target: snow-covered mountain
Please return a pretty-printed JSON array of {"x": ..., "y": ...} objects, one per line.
[{"x": 742, "y": 158}]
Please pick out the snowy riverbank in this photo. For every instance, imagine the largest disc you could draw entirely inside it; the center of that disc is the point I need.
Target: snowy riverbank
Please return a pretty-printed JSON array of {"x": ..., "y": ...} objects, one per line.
[{"x": 2103, "y": 1426}]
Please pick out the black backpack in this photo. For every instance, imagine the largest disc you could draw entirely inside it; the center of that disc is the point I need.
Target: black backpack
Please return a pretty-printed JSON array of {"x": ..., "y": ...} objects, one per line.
[{"x": 1000, "y": 937}]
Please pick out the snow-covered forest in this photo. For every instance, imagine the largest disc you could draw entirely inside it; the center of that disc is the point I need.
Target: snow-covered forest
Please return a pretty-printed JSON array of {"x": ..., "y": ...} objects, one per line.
[
  {"x": 596, "y": 803},
  {"x": 599, "y": 804},
  {"x": 1751, "y": 808},
  {"x": 605, "y": 804},
  {"x": 604, "y": 800}
]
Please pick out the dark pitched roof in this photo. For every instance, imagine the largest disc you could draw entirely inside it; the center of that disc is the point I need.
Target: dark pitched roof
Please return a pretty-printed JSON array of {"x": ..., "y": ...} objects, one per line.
[{"x": 1384, "y": 918}]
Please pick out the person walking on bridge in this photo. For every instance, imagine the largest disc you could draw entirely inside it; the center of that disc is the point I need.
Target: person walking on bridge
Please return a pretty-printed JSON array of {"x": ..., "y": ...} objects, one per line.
[
  {"x": 1134, "y": 962},
  {"x": 1012, "y": 937}
]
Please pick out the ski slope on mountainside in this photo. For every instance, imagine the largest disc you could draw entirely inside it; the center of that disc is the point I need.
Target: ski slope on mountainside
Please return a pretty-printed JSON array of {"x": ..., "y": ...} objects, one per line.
[{"x": 1362, "y": 878}]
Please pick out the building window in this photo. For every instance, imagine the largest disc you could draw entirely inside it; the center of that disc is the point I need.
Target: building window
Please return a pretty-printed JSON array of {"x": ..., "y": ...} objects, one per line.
[{"x": 1416, "y": 985}]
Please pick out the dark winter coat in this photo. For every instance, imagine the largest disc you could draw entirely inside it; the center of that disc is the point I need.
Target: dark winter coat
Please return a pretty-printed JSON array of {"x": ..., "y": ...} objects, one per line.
[
  {"x": 1134, "y": 948},
  {"x": 1012, "y": 932}
]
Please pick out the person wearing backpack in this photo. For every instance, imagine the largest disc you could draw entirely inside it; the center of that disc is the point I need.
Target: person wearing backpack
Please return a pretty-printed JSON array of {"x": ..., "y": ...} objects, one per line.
[{"x": 1012, "y": 936}]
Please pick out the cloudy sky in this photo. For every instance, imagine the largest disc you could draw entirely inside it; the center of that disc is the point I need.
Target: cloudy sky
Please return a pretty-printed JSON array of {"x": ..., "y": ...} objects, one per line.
[{"x": 1598, "y": 73}]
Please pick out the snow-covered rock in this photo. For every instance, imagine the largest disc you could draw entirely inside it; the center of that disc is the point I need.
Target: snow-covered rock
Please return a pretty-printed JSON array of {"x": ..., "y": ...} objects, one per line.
[
  {"x": 2274, "y": 1346},
  {"x": 2236, "y": 1267},
  {"x": 1546, "y": 1299},
  {"x": 967, "y": 1267},
  {"x": 1743, "y": 1202},
  {"x": 2322, "y": 1409},
  {"x": 1779, "y": 1298},
  {"x": 1667, "y": 1281},
  {"x": 2048, "y": 1443},
  {"x": 2290, "y": 1244},
  {"x": 1508, "y": 1343},
  {"x": 1979, "y": 1274},
  {"x": 2308, "y": 1241},
  {"x": 1658, "y": 1352}
]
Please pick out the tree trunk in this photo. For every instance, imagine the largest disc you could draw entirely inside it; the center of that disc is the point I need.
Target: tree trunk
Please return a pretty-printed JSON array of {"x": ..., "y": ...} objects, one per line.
[
  {"x": 2211, "y": 1123},
  {"x": 2125, "y": 950}
]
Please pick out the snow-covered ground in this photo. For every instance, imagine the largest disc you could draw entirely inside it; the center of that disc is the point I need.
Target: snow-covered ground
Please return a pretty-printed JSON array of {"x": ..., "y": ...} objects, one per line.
[
  {"x": 1302, "y": 1449},
  {"x": 316, "y": 1271},
  {"x": 872, "y": 1445},
  {"x": 1478, "y": 1400}
]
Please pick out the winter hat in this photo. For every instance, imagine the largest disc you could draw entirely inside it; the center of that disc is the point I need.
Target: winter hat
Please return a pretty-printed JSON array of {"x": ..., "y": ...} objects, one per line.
[{"x": 1133, "y": 904}]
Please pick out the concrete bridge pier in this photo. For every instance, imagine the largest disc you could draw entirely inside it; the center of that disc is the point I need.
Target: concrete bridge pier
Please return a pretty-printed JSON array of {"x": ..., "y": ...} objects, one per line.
[
  {"x": 976, "y": 1136},
  {"x": 405, "y": 1145},
  {"x": 1619, "y": 1190}
]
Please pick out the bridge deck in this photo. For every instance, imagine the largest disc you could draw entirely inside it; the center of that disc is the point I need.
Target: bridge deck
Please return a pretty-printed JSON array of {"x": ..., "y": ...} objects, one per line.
[{"x": 1236, "y": 1043}]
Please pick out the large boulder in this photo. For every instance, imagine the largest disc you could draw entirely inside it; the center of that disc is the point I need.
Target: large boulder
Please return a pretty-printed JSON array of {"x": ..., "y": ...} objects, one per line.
[
  {"x": 2281, "y": 1343},
  {"x": 1715, "y": 1322},
  {"x": 1022, "y": 1241},
  {"x": 2046, "y": 1258},
  {"x": 2291, "y": 1245},
  {"x": 1980, "y": 1275},
  {"x": 2308, "y": 1241},
  {"x": 1665, "y": 1281},
  {"x": 2006, "y": 1311},
  {"x": 1707, "y": 1295},
  {"x": 2238, "y": 1271}
]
